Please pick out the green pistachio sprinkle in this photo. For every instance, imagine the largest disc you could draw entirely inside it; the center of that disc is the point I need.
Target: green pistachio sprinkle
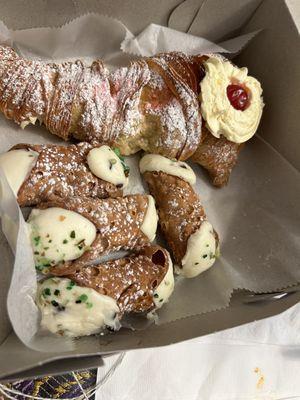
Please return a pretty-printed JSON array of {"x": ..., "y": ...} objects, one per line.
[
  {"x": 204, "y": 256},
  {"x": 72, "y": 235},
  {"x": 37, "y": 240},
  {"x": 117, "y": 152},
  {"x": 36, "y": 253},
  {"x": 89, "y": 305},
  {"x": 207, "y": 245},
  {"x": 46, "y": 292},
  {"x": 56, "y": 292},
  {"x": 125, "y": 167},
  {"x": 212, "y": 255},
  {"x": 70, "y": 285},
  {"x": 155, "y": 295},
  {"x": 161, "y": 300},
  {"x": 196, "y": 263},
  {"x": 126, "y": 170},
  {"x": 113, "y": 161},
  {"x": 46, "y": 248},
  {"x": 65, "y": 241},
  {"x": 83, "y": 298},
  {"x": 54, "y": 303},
  {"x": 50, "y": 241},
  {"x": 39, "y": 268}
]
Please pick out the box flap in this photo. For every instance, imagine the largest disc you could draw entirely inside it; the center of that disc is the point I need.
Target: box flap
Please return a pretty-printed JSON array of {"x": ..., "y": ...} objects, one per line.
[{"x": 274, "y": 58}]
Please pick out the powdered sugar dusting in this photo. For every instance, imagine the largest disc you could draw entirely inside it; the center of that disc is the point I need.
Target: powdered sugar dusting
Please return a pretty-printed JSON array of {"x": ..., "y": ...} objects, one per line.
[
  {"x": 131, "y": 281},
  {"x": 117, "y": 221},
  {"x": 119, "y": 108},
  {"x": 62, "y": 171}
]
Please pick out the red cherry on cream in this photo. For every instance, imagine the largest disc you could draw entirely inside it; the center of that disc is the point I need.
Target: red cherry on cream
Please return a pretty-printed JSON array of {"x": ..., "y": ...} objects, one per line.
[{"x": 238, "y": 97}]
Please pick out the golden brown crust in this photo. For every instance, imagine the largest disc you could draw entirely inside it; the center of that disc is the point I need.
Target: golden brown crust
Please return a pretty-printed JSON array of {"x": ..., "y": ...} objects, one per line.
[
  {"x": 62, "y": 171},
  {"x": 131, "y": 281},
  {"x": 179, "y": 208},
  {"x": 217, "y": 156},
  {"x": 151, "y": 105},
  {"x": 94, "y": 105},
  {"x": 117, "y": 221}
]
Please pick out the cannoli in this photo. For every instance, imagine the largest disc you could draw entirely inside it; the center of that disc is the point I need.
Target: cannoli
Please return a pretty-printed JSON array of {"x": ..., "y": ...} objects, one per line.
[
  {"x": 85, "y": 300},
  {"x": 80, "y": 230},
  {"x": 190, "y": 236},
  {"x": 39, "y": 173},
  {"x": 135, "y": 282},
  {"x": 156, "y": 104}
]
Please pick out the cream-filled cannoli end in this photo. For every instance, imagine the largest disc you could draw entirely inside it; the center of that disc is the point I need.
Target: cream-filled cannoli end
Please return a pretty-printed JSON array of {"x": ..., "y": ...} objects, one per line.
[
  {"x": 156, "y": 162},
  {"x": 17, "y": 165},
  {"x": 201, "y": 251},
  {"x": 149, "y": 225},
  {"x": 165, "y": 288},
  {"x": 71, "y": 310},
  {"x": 106, "y": 165},
  {"x": 59, "y": 235}
]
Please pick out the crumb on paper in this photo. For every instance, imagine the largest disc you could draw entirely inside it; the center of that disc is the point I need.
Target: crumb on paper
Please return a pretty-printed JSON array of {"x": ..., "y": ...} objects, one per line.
[{"x": 261, "y": 378}]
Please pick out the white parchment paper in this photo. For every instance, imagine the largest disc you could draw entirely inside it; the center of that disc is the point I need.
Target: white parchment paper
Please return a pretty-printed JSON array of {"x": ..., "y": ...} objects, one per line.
[{"x": 256, "y": 216}]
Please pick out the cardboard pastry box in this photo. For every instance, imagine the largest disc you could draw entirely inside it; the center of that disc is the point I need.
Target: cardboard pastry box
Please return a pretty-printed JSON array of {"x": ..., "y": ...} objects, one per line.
[{"x": 273, "y": 57}]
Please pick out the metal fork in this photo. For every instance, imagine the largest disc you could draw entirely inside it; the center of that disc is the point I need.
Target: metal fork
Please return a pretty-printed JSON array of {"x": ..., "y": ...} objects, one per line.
[{"x": 270, "y": 296}]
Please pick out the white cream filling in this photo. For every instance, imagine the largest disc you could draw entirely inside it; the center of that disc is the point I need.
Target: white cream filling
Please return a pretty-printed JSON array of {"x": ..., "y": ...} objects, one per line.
[
  {"x": 72, "y": 310},
  {"x": 221, "y": 117},
  {"x": 16, "y": 165},
  {"x": 149, "y": 225},
  {"x": 59, "y": 235},
  {"x": 106, "y": 165},
  {"x": 201, "y": 251},
  {"x": 165, "y": 288},
  {"x": 156, "y": 162},
  {"x": 31, "y": 120}
]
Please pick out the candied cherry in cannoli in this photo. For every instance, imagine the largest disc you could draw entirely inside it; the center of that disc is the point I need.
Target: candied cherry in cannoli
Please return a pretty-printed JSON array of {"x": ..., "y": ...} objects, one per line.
[
  {"x": 71, "y": 310},
  {"x": 238, "y": 97},
  {"x": 231, "y": 100}
]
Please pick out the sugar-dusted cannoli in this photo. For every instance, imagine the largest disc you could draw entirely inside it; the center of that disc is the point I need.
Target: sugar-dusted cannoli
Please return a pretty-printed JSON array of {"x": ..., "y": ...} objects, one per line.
[
  {"x": 82, "y": 229},
  {"x": 191, "y": 237},
  {"x": 39, "y": 173},
  {"x": 138, "y": 283},
  {"x": 87, "y": 299}
]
